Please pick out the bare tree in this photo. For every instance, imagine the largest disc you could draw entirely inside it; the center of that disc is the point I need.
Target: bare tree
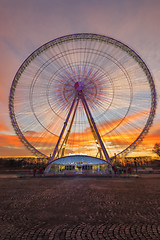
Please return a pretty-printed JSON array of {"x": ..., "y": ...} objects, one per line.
[{"x": 156, "y": 149}]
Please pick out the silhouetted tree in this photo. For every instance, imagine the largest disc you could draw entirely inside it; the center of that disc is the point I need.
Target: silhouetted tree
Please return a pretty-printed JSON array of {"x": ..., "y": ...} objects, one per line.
[{"x": 156, "y": 149}]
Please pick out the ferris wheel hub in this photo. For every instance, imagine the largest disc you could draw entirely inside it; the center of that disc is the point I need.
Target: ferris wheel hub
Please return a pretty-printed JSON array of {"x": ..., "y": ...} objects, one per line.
[{"x": 79, "y": 86}]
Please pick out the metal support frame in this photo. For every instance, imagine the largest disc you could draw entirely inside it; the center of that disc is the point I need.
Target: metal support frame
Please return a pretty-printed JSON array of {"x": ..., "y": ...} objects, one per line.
[
  {"x": 63, "y": 129},
  {"x": 93, "y": 132},
  {"x": 68, "y": 132},
  {"x": 97, "y": 137},
  {"x": 95, "y": 128}
]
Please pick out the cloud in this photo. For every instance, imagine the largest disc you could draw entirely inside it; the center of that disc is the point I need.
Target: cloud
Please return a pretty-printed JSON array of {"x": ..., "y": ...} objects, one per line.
[
  {"x": 3, "y": 127},
  {"x": 153, "y": 136},
  {"x": 10, "y": 140}
]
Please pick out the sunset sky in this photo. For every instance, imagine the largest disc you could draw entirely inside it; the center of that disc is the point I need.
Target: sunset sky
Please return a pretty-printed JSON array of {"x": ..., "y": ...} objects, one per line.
[{"x": 25, "y": 25}]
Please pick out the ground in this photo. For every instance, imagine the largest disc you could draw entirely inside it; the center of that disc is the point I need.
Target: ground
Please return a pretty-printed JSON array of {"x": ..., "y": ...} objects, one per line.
[{"x": 80, "y": 208}]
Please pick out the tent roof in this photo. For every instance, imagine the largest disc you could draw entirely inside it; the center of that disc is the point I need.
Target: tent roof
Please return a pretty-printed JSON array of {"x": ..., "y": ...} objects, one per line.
[{"x": 78, "y": 159}]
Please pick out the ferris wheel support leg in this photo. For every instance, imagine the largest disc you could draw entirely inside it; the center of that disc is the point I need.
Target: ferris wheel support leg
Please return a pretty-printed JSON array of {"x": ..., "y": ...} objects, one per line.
[
  {"x": 69, "y": 130},
  {"x": 63, "y": 129},
  {"x": 95, "y": 128},
  {"x": 93, "y": 132}
]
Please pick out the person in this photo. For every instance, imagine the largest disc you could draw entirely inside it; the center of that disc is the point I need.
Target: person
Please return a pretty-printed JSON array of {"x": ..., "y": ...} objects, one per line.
[
  {"x": 135, "y": 163},
  {"x": 34, "y": 171},
  {"x": 40, "y": 171},
  {"x": 129, "y": 170},
  {"x": 114, "y": 169}
]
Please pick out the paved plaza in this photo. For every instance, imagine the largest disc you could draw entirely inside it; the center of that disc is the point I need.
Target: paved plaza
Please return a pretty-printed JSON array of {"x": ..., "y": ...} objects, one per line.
[{"x": 80, "y": 208}]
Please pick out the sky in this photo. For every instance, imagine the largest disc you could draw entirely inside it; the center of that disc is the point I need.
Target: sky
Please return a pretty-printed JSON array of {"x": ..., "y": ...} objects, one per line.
[{"x": 25, "y": 25}]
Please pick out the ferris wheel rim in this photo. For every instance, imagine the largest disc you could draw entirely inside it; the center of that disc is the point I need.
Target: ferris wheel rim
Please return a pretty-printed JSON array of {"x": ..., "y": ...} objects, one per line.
[{"x": 83, "y": 36}]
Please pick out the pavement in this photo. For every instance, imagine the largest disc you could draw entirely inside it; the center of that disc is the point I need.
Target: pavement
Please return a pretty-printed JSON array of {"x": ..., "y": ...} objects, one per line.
[{"x": 80, "y": 208}]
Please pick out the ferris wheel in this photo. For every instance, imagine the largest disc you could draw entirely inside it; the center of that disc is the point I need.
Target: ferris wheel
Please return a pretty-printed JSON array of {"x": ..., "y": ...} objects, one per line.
[{"x": 82, "y": 94}]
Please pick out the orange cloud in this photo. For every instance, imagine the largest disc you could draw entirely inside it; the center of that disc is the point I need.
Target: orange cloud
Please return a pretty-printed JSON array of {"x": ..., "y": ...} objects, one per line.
[
  {"x": 10, "y": 140},
  {"x": 129, "y": 119},
  {"x": 88, "y": 135},
  {"x": 154, "y": 135},
  {"x": 79, "y": 140},
  {"x": 3, "y": 127}
]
